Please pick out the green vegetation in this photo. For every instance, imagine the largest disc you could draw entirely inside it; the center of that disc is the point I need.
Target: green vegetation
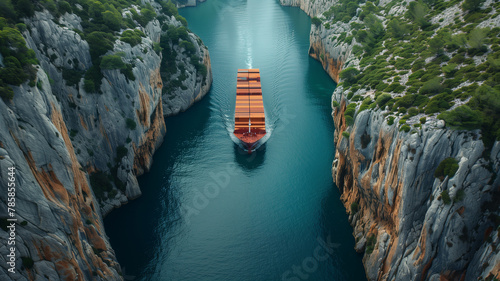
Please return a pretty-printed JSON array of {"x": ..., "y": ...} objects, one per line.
[
  {"x": 112, "y": 62},
  {"x": 349, "y": 114},
  {"x": 405, "y": 128},
  {"x": 121, "y": 151},
  {"x": 446, "y": 197},
  {"x": 390, "y": 120},
  {"x": 27, "y": 262},
  {"x": 348, "y": 75},
  {"x": 354, "y": 207},
  {"x": 440, "y": 62},
  {"x": 100, "y": 183},
  {"x": 3, "y": 224},
  {"x": 345, "y": 134},
  {"x": 459, "y": 196},
  {"x": 447, "y": 167},
  {"x": 18, "y": 60},
  {"x": 133, "y": 37},
  {"x": 462, "y": 117},
  {"x": 101, "y": 23},
  {"x": 370, "y": 243},
  {"x": 130, "y": 123},
  {"x": 316, "y": 21}
]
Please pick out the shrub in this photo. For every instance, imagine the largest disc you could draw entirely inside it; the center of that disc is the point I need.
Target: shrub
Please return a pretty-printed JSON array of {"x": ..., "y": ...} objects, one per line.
[
  {"x": 188, "y": 46},
  {"x": 157, "y": 48},
  {"x": 112, "y": 62},
  {"x": 390, "y": 120},
  {"x": 382, "y": 99},
  {"x": 476, "y": 38},
  {"x": 397, "y": 28},
  {"x": 472, "y": 5},
  {"x": 6, "y": 92},
  {"x": 130, "y": 123},
  {"x": 72, "y": 76},
  {"x": 349, "y": 120},
  {"x": 354, "y": 207},
  {"x": 316, "y": 21},
  {"x": 127, "y": 71},
  {"x": 89, "y": 86},
  {"x": 133, "y": 37},
  {"x": 348, "y": 75},
  {"x": 99, "y": 43},
  {"x": 370, "y": 243},
  {"x": 335, "y": 104},
  {"x": 412, "y": 111},
  {"x": 462, "y": 118},
  {"x": 432, "y": 86},
  {"x": 100, "y": 183},
  {"x": 423, "y": 120},
  {"x": 27, "y": 262},
  {"x": 459, "y": 196},
  {"x": 345, "y": 134},
  {"x": 447, "y": 167},
  {"x": 405, "y": 128},
  {"x": 121, "y": 151},
  {"x": 112, "y": 19},
  {"x": 446, "y": 197}
]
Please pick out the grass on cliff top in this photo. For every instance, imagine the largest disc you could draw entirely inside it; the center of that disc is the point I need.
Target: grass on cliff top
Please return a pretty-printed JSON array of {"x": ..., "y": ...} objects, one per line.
[
  {"x": 101, "y": 24},
  {"x": 438, "y": 64},
  {"x": 18, "y": 60}
]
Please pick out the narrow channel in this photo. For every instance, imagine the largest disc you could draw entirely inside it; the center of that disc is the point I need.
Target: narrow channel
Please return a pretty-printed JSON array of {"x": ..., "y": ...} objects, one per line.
[{"x": 272, "y": 215}]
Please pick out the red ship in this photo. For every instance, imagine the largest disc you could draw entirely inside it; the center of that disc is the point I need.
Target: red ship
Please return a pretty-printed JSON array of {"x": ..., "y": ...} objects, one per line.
[{"x": 249, "y": 116}]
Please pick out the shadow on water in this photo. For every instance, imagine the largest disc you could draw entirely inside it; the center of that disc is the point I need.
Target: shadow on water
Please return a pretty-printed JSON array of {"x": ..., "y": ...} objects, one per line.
[
  {"x": 249, "y": 161},
  {"x": 337, "y": 233}
]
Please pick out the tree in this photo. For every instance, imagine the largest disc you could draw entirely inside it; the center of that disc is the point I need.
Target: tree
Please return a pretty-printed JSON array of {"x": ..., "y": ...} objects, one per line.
[
  {"x": 316, "y": 21},
  {"x": 396, "y": 28},
  {"x": 417, "y": 13},
  {"x": 112, "y": 20},
  {"x": 462, "y": 117},
  {"x": 25, "y": 8},
  {"x": 112, "y": 62},
  {"x": 476, "y": 38},
  {"x": 100, "y": 43},
  {"x": 374, "y": 26},
  {"x": 436, "y": 44},
  {"x": 348, "y": 75},
  {"x": 472, "y": 5},
  {"x": 383, "y": 99}
]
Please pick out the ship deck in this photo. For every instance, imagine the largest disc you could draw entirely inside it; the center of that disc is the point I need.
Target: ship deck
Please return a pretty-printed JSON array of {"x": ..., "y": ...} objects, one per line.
[{"x": 249, "y": 117}]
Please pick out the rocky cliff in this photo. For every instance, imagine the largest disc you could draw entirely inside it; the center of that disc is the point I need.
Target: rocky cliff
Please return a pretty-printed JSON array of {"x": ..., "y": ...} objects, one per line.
[
  {"x": 421, "y": 188},
  {"x": 78, "y": 142}
]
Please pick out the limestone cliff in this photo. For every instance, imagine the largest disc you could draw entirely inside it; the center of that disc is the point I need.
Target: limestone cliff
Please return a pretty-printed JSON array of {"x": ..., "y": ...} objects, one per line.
[
  {"x": 410, "y": 222},
  {"x": 312, "y": 8},
  {"x": 77, "y": 150}
]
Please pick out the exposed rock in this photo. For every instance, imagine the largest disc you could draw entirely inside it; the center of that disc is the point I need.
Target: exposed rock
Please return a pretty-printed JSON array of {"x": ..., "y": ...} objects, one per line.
[
  {"x": 56, "y": 135},
  {"x": 390, "y": 175}
]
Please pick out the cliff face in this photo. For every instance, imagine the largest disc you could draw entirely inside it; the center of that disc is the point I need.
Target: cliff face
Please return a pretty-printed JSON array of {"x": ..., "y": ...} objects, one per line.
[
  {"x": 410, "y": 224},
  {"x": 77, "y": 154},
  {"x": 312, "y": 8},
  {"x": 415, "y": 233}
]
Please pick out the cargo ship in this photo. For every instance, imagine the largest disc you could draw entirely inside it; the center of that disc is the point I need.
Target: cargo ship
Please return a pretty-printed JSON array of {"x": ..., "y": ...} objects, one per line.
[{"x": 249, "y": 116}]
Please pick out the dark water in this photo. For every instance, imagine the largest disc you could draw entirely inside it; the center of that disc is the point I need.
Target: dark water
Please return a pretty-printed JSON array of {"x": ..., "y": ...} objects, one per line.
[{"x": 264, "y": 215}]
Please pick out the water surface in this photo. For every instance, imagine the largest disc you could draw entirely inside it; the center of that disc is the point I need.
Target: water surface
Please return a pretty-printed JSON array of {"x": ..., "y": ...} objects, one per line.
[{"x": 209, "y": 211}]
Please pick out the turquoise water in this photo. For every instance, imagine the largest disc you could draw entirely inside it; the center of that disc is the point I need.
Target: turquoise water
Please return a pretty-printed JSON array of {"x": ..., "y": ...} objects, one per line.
[{"x": 209, "y": 211}]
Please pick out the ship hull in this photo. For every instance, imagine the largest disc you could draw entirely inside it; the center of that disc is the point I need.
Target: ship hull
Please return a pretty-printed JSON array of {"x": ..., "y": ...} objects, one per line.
[{"x": 249, "y": 121}]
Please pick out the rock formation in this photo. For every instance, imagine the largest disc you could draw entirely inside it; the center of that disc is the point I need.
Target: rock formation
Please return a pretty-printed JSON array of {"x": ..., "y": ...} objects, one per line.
[
  {"x": 409, "y": 223},
  {"x": 77, "y": 153}
]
